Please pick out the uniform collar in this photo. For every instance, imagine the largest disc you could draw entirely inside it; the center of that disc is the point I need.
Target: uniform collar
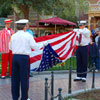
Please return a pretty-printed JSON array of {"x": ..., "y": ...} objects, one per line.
[
  {"x": 22, "y": 31},
  {"x": 7, "y": 28}
]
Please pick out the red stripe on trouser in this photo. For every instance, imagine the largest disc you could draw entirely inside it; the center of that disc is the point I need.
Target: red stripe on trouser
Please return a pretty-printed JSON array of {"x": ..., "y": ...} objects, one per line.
[
  {"x": 6, "y": 58},
  {"x": 28, "y": 76},
  {"x": 10, "y": 62}
]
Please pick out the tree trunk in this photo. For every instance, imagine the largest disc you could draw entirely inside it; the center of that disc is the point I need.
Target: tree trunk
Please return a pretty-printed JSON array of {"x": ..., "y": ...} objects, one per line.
[
  {"x": 26, "y": 13},
  {"x": 25, "y": 10},
  {"x": 38, "y": 33}
]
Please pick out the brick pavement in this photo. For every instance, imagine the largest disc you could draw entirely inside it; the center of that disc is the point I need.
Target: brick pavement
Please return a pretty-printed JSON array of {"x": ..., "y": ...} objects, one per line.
[{"x": 36, "y": 91}]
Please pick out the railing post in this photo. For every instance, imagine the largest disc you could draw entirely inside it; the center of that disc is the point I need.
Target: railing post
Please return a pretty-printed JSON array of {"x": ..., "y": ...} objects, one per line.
[
  {"x": 70, "y": 78},
  {"x": 59, "y": 95},
  {"x": 93, "y": 77},
  {"x": 52, "y": 85},
  {"x": 46, "y": 89}
]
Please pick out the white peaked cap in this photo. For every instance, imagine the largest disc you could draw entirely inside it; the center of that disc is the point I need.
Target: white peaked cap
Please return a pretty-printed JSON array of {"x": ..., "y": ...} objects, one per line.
[
  {"x": 22, "y": 21},
  {"x": 82, "y": 22}
]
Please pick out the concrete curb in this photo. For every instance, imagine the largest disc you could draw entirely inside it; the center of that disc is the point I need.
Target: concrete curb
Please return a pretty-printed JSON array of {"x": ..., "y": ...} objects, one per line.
[
  {"x": 75, "y": 93},
  {"x": 55, "y": 72}
]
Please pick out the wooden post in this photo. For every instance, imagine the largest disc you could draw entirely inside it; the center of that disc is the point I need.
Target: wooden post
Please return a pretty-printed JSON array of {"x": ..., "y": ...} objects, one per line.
[
  {"x": 94, "y": 23},
  {"x": 55, "y": 28},
  {"x": 89, "y": 20}
]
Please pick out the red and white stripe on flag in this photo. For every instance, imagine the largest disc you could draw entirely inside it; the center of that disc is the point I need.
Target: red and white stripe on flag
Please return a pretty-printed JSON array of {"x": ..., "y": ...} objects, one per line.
[{"x": 64, "y": 44}]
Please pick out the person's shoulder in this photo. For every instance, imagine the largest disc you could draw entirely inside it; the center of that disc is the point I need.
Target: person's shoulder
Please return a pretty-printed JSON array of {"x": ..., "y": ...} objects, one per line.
[
  {"x": 27, "y": 34},
  {"x": 86, "y": 30},
  {"x": 29, "y": 31},
  {"x": 2, "y": 30},
  {"x": 13, "y": 36},
  {"x": 16, "y": 33},
  {"x": 98, "y": 38}
]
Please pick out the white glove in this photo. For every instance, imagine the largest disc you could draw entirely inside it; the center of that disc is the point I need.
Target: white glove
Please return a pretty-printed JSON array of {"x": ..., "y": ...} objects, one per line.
[{"x": 45, "y": 43}]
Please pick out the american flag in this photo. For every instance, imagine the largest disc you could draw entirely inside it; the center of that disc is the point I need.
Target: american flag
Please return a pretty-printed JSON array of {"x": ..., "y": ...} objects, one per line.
[{"x": 60, "y": 48}]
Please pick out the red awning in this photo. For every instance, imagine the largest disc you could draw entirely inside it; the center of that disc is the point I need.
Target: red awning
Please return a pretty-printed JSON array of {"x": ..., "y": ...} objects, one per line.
[{"x": 56, "y": 20}]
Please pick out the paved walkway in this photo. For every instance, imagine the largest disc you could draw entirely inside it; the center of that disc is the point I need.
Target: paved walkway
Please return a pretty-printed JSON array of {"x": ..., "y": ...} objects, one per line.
[{"x": 36, "y": 90}]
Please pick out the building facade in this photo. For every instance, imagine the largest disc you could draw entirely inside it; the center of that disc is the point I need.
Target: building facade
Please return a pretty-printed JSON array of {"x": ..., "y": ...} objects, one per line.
[{"x": 93, "y": 14}]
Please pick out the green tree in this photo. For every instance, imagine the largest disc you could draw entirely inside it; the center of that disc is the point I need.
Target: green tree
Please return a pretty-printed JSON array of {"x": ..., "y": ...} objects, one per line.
[
  {"x": 5, "y": 8},
  {"x": 25, "y": 5},
  {"x": 21, "y": 6},
  {"x": 62, "y": 8},
  {"x": 67, "y": 9}
]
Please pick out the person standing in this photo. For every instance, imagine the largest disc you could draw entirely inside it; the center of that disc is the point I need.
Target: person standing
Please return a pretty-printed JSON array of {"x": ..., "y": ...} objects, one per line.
[
  {"x": 97, "y": 37},
  {"x": 21, "y": 44},
  {"x": 28, "y": 30},
  {"x": 82, "y": 53},
  {"x": 5, "y": 35},
  {"x": 94, "y": 54}
]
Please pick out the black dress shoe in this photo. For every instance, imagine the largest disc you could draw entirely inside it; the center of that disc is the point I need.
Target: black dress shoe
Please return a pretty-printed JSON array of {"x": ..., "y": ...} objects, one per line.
[
  {"x": 83, "y": 80},
  {"x": 77, "y": 79},
  {"x": 3, "y": 77}
]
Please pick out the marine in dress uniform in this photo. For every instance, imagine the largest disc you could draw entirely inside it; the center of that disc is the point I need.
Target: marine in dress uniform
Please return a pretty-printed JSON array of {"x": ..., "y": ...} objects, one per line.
[
  {"x": 82, "y": 53},
  {"x": 21, "y": 44},
  {"x": 5, "y": 36}
]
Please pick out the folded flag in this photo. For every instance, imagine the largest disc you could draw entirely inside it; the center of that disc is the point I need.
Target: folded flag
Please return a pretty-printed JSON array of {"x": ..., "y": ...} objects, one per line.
[{"x": 60, "y": 48}]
